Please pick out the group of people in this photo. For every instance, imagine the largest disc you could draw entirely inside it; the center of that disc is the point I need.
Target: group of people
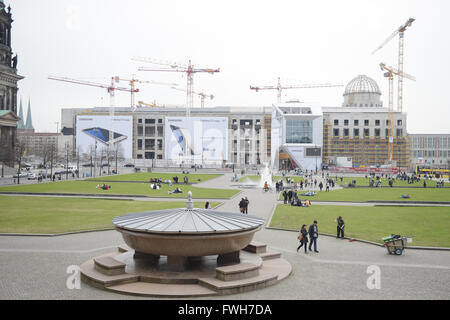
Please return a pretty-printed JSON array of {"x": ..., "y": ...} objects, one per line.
[
  {"x": 312, "y": 234},
  {"x": 243, "y": 205},
  {"x": 103, "y": 186}
]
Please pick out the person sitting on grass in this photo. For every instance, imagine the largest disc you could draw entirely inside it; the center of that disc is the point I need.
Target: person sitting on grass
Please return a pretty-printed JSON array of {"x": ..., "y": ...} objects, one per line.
[
  {"x": 307, "y": 203},
  {"x": 405, "y": 196},
  {"x": 177, "y": 190}
]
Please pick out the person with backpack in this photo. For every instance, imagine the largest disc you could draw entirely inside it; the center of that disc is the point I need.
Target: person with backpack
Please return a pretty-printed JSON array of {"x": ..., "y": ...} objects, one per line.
[{"x": 303, "y": 238}]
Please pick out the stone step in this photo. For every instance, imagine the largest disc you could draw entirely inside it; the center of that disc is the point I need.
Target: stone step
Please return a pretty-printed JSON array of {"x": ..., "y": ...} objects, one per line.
[
  {"x": 100, "y": 280},
  {"x": 270, "y": 255},
  {"x": 277, "y": 266},
  {"x": 237, "y": 272},
  {"x": 163, "y": 290},
  {"x": 109, "y": 266},
  {"x": 123, "y": 248},
  {"x": 256, "y": 247},
  {"x": 239, "y": 286}
]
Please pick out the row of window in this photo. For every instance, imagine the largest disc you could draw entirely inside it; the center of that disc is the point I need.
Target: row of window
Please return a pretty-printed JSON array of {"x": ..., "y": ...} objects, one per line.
[
  {"x": 150, "y": 131},
  {"x": 366, "y": 132},
  {"x": 367, "y": 122},
  {"x": 432, "y": 153},
  {"x": 431, "y": 142},
  {"x": 150, "y": 155},
  {"x": 150, "y": 121},
  {"x": 149, "y": 144}
]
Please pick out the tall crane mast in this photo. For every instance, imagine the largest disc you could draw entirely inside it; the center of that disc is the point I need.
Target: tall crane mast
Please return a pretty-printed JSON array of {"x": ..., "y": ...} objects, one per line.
[
  {"x": 132, "y": 82},
  {"x": 177, "y": 67},
  {"x": 390, "y": 75},
  {"x": 279, "y": 87},
  {"x": 201, "y": 94},
  {"x": 401, "y": 32}
]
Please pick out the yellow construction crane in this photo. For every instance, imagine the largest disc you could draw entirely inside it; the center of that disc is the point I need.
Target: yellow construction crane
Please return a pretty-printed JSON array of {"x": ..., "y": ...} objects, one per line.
[
  {"x": 401, "y": 32},
  {"x": 279, "y": 87},
  {"x": 133, "y": 80},
  {"x": 201, "y": 94},
  {"x": 390, "y": 75}
]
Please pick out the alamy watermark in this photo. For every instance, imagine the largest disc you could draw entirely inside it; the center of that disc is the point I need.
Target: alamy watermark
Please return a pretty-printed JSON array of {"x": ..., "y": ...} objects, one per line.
[
  {"x": 374, "y": 280},
  {"x": 73, "y": 280}
]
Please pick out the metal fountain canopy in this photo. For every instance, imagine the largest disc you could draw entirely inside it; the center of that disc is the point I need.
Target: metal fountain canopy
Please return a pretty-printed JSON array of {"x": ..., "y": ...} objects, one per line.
[{"x": 187, "y": 220}]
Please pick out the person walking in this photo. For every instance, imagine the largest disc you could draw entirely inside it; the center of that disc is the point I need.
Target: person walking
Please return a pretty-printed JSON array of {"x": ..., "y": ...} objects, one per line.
[
  {"x": 340, "y": 227},
  {"x": 241, "y": 205},
  {"x": 321, "y": 186},
  {"x": 303, "y": 238},
  {"x": 285, "y": 196},
  {"x": 207, "y": 205},
  {"x": 313, "y": 235},
  {"x": 290, "y": 196},
  {"x": 246, "y": 202}
]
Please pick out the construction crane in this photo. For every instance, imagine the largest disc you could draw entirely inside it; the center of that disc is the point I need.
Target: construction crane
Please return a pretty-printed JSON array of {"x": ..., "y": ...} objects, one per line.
[
  {"x": 132, "y": 82},
  {"x": 201, "y": 94},
  {"x": 279, "y": 87},
  {"x": 111, "y": 88},
  {"x": 177, "y": 67},
  {"x": 401, "y": 32},
  {"x": 390, "y": 75},
  {"x": 155, "y": 105}
]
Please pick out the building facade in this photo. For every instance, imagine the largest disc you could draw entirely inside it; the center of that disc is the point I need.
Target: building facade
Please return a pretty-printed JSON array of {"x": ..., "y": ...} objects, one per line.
[
  {"x": 359, "y": 129},
  {"x": 287, "y": 135},
  {"x": 431, "y": 150},
  {"x": 8, "y": 88}
]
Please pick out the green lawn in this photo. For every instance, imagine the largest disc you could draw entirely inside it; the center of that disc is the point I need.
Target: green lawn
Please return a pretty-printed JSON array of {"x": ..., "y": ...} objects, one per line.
[
  {"x": 361, "y": 181},
  {"x": 429, "y": 226},
  {"x": 250, "y": 179},
  {"x": 365, "y": 194},
  {"x": 121, "y": 188},
  {"x": 58, "y": 215},
  {"x": 293, "y": 178},
  {"x": 145, "y": 176}
]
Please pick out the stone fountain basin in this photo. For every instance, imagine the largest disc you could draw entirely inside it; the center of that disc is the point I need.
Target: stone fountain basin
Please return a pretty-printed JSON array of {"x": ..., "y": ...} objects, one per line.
[{"x": 187, "y": 245}]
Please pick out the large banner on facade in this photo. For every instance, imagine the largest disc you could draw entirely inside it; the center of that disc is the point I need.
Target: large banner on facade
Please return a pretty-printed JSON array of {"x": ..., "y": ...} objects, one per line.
[
  {"x": 105, "y": 132},
  {"x": 196, "y": 139}
]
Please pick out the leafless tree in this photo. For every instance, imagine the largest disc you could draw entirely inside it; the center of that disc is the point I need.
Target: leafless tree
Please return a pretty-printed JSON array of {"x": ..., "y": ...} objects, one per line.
[{"x": 20, "y": 151}]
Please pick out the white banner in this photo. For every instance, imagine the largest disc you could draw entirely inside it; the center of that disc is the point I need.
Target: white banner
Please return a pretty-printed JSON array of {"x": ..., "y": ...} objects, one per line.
[
  {"x": 198, "y": 139},
  {"x": 95, "y": 130}
]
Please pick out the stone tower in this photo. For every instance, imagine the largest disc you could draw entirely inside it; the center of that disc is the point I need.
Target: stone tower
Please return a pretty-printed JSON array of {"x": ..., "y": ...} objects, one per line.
[{"x": 8, "y": 87}]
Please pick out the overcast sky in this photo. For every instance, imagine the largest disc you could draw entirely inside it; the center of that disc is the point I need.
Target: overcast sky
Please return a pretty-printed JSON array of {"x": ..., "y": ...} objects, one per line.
[{"x": 252, "y": 42}]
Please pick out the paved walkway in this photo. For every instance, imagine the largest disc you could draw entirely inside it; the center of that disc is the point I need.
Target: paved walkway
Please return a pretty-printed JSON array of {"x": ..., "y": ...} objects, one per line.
[{"x": 35, "y": 267}]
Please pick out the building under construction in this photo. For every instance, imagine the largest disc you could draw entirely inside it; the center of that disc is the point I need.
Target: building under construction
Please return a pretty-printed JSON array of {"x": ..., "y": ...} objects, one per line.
[
  {"x": 360, "y": 128},
  {"x": 357, "y": 131}
]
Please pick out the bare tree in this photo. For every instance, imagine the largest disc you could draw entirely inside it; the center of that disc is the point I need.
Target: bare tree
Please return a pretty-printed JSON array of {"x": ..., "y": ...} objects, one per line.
[{"x": 20, "y": 151}]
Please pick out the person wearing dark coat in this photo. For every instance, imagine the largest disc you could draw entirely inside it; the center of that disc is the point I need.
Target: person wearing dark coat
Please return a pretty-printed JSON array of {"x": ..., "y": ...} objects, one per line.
[
  {"x": 304, "y": 240},
  {"x": 313, "y": 232},
  {"x": 285, "y": 196},
  {"x": 290, "y": 196}
]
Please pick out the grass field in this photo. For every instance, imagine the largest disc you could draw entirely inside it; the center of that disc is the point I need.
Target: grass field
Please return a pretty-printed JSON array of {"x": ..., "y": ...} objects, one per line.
[
  {"x": 145, "y": 176},
  {"x": 361, "y": 181},
  {"x": 250, "y": 178},
  {"x": 57, "y": 215},
  {"x": 365, "y": 194},
  {"x": 121, "y": 188},
  {"x": 429, "y": 226}
]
